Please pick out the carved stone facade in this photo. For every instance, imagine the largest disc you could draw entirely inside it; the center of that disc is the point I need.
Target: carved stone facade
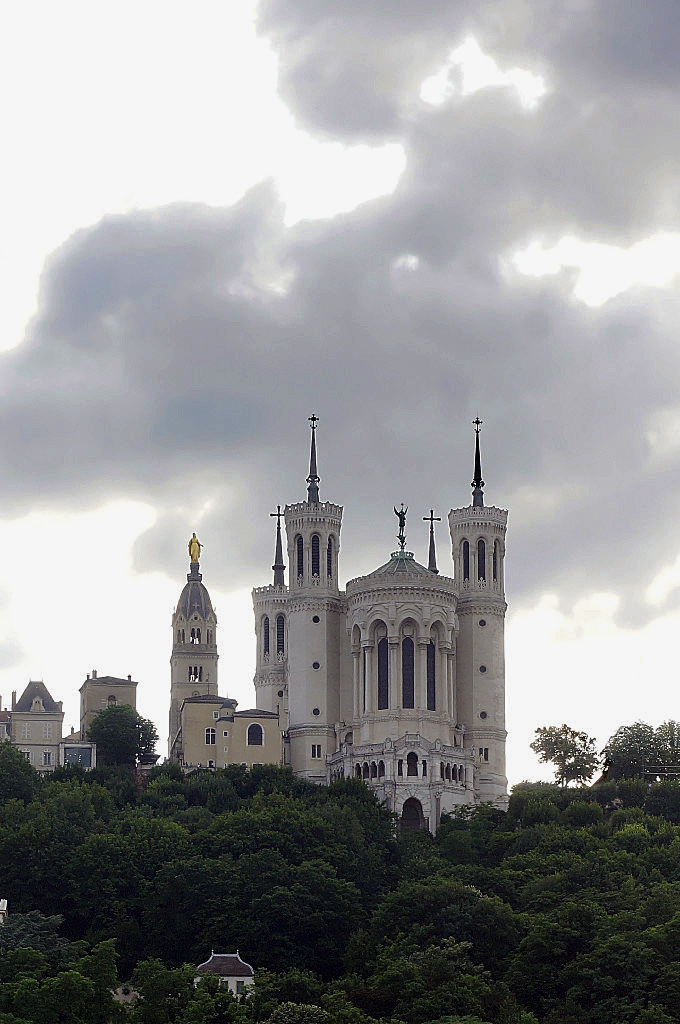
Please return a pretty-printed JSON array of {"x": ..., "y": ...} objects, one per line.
[{"x": 400, "y": 678}]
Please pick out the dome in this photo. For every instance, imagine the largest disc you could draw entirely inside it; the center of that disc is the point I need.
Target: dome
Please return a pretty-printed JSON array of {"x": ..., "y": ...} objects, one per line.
[
  {"x": 195, "y": 598},
  {"x": 401, "y": 565}
]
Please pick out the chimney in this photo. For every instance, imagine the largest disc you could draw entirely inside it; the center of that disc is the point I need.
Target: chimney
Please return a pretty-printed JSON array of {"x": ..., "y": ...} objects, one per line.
[
  {"x": 129, "y": 681},
  {"x": 94, "y": 673},
  {"x": 14, "y": 699}
]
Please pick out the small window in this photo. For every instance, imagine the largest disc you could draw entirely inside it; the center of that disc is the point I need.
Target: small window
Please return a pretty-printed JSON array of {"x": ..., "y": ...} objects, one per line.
[
  {"x": 316, "y": 750},
  {"x": 216, "y": 714},
  {"x": 210, "y": 736},
  {"x": 254, "y": 735},
  {"x": 225, "y": 733},
  {"x": 240, "y": 987},
  {"x": 47, "y": 757}
]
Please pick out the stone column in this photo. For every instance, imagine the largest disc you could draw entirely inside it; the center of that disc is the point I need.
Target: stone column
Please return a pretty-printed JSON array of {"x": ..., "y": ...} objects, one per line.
[
  {"x": 451, "y": 684},
  {"x": 442, "y": 675},
  {"x": 356, "y": 676}
]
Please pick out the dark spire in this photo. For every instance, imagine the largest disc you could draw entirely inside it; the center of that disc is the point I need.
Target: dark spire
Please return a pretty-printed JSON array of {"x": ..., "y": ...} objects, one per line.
[
  {"x": 313, "y": 478},
  {"x": 278, "y": 565},
  {"x": 432, "y": 561},
  {"x": 477, "y": 484}
]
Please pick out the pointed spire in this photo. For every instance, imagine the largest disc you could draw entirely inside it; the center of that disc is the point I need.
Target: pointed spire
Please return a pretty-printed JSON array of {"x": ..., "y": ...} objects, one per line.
[
  {"x": 477, "y": 484},
  {"x": 278, "y": 566},
  {"x": 432, "y": 560},
  {"x": 313, "y": 478}
]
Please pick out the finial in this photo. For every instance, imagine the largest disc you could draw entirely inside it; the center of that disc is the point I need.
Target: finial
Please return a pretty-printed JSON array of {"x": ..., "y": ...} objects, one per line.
[
  {"x": 477, "y": 484},
  {"x": 401, "y": 516},
  {"x": 313, "y": 478},
  {"x": 432, "y": 561},
  {"x": 278, "y": 565}
]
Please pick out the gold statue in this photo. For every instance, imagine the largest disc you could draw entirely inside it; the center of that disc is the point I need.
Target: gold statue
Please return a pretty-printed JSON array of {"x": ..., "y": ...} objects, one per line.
[{"x": 194, "y": 548}]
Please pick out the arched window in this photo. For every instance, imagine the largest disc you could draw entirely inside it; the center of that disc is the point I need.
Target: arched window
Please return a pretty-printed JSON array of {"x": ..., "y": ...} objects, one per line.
[
  {"x": 381, "y": 769},
  {"x": 461, "y": 773},
  {"x": 358, "y": 771},
  {"x": 412, "y": 817},
  {"x": 365, "y": 769},
  {"x": 441, "y": 769},
  {"x": 183, "y": 640},
  {"x": 210, "y": 736},
  {"x": 412, "y": 763},
  {"x": 193, "y": 635},
  {"x": 329, "y": 558},
  {"x": 424, "y": 768},
  {"x": 448, "y": 771},
  {"x": 265, "y": 635},
  {"x": 200, "y": 674},
  {"x": 431, "y": 676},
  {"x": 407, "y": 673},
  {"x": 316, "y": 570},
  {"x": 111, "y": 700},
  {"x": 383, "y": 675},
  {"x": 254, "y": 735},
  {"x": 466, "y": 560},
  {"x": 481, "y": 559},
  {"x": 374, "y": 770},
  {"x": 280, "y": 634},
  {"x": 496, "y": 558},
  {"x": 400, "y": 767},
  {"x": 198, "y": 636},
  {"x": 300, "y": 555}
]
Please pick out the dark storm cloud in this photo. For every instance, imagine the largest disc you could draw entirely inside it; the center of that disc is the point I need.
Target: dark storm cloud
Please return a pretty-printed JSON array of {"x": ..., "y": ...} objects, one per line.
[{"x": 176, "y": 354}]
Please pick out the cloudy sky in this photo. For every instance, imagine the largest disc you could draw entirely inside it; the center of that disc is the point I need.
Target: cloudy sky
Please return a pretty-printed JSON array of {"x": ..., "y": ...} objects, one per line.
[{"x": 218, "y": 220}]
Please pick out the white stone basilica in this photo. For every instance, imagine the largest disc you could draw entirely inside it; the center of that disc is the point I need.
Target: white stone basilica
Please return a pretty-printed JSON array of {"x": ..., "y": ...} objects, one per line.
[{"x": 400, "y": 678}]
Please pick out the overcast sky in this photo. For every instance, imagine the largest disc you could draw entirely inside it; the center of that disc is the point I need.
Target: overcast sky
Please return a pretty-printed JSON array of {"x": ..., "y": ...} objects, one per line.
[{"x": 217, "y": 221}]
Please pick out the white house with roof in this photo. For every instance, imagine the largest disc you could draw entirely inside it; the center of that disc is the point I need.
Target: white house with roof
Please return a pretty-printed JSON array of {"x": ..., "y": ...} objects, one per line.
[{"x": 231, "y": 971}]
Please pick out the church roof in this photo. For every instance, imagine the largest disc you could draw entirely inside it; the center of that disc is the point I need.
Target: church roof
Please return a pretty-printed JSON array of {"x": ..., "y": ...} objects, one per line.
[
  {"x": 36, "y": 688},
  {"x": 226, "y": 965},
  {"x": 195, "y": 597},
  {"x": 401, "y": 565}
]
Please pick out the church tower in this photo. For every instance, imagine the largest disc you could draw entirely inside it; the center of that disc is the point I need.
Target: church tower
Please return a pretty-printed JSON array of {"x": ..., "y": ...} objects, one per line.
[
  {"x": 314, "y": 626},
  {"x": 193, "y": 663},
  {"x": 478, "y": 548},
  {"x": 269, "y": 605}
]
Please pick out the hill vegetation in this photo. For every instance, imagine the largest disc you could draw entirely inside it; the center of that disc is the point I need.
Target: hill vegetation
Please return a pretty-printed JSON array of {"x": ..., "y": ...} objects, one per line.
[{"x": 565, "y": 908}]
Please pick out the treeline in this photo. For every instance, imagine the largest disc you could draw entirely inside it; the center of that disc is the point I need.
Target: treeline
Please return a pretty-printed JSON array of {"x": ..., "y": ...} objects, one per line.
[{"x": 565, "y": 908}]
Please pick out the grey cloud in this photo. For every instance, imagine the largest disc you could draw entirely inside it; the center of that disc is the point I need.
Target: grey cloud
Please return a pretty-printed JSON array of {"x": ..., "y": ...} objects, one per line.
[{"x": 164, "y": 365}]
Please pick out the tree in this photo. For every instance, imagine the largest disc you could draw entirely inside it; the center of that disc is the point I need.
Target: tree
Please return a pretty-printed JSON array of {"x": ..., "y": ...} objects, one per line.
[
  {"x": 572, "y": 752},
  {"x": 122, "y": 735},
  {"x": 628, "y": 752},
  {"x": 18, "y": 778}
]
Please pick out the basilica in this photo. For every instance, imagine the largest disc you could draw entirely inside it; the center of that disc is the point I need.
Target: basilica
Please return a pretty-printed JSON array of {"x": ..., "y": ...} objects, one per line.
[{"x": 399, "y": 679}]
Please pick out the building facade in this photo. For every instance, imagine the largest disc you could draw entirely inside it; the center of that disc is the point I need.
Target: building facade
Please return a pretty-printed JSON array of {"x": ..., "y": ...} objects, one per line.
[
  {"x": 400, "y": 678},
  {"x": 99, "y": 692}
]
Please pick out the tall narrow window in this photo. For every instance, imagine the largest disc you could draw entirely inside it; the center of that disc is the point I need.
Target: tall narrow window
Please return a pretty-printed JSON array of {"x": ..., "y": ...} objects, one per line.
[
  {"x": 265, "y": 635},
  {"x": 481, "y": 560},
  {"x": 210, "y": 736},
  {"x": 383, "y": 675},
  {"x": 466, "y": 560},
  {"x": 280, "y": 634},
  {"x": 300, "y": 555},
  {"x": 407, "y": 673},
  {"x": 412, "y": 763},
  {"x": 364, "y": 682},
  {"x": 495, "y": 561},
  {"x": 329, "y": 558},
  {"x": 316, "y": 571},
  {"x": 200, "y": 674},
  {"x": 431, "y": 676}
]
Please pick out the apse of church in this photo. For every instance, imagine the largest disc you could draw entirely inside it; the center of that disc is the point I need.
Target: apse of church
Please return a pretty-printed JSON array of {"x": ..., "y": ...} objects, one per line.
[{"x": 400, "y": 678}]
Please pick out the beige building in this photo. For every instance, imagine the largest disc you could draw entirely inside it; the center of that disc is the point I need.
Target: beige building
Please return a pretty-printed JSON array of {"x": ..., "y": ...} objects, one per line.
[
  {"x": 36, "y": 722},
  {"x": 233, "y": 972},
  {"x": 400, "y": 678},
  {"x": 205, "y": 729},
  {"x": 99, "y": 692}
]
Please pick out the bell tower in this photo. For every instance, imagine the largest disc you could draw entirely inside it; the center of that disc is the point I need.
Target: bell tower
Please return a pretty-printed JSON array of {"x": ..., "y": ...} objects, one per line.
[
  {"x": 314, "y": 625},
  {"x": 478, "y": 548},
  {"x": 193, "y": 663}
]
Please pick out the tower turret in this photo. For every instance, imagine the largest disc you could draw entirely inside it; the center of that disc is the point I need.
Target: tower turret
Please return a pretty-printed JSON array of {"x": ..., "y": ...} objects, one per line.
[
  {"x": 314, "y": 624},
  {"x": 193, "y": 663},
  {"x": 270, "y": 606},
  {"x": 478, "y": 549}
]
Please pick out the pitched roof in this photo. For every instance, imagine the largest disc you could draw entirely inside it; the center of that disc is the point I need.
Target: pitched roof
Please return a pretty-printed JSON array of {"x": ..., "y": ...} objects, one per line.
[
  {"x": 36, "y": 688},
  {"x": 226, "y": 965},
  {"x": 109, "y": 681},
  {"x": 255, "y": 713}
]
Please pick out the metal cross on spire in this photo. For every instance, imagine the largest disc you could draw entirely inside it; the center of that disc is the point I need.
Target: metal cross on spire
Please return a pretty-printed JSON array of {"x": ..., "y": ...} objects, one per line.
[
  {"x": 432, "y": 560},
  {"x": 278, "y": 565},
  {"x": 477, "y": 484},
  {"x": 313, "y": 478}
]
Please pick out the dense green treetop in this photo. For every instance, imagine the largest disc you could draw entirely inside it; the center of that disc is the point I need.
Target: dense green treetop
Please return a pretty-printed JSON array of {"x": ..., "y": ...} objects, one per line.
[{"x": 122, "y": 735}]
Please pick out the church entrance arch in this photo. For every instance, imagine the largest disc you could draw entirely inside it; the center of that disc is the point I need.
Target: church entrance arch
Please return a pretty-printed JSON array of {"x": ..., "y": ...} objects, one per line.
[{"x": 412, "y": 817}]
